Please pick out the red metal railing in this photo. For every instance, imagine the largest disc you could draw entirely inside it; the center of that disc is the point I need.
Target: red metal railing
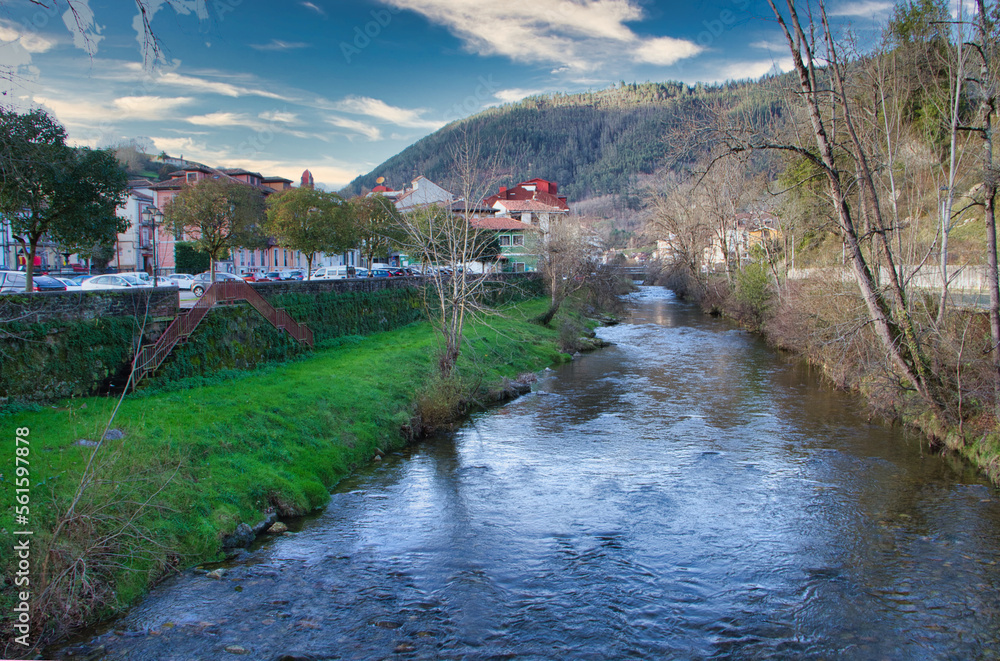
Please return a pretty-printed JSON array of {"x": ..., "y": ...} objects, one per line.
[{"x": 152, "y": 356}]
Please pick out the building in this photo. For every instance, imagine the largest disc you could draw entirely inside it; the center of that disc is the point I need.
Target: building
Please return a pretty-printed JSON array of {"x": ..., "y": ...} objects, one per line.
[
  {"x": 242, "y": 260},
  {"x": 422, "y": 192},
  {"x": 535, "y": 202},
  {"x": 515, "y": 238},
  {"x": 530, "y": 212},
  {"x": 134, "y": 246},
  {"x": 538, "y": 190},
  {"x": 754, "y": 229}
]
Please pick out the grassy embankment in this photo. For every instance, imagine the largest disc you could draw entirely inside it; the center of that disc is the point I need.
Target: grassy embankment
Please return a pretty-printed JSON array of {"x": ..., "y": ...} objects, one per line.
[{"x": 208, "y": 456}]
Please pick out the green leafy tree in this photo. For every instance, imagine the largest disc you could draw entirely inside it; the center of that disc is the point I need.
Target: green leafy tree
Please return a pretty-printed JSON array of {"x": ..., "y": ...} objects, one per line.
[
  {"x": 188, "y": 259},
  {"x": 311, "y": 221},
  {"x": 218, "y": 215},
  {"x": 50, "y": 189},
  {"x": 378, "y": 224}
]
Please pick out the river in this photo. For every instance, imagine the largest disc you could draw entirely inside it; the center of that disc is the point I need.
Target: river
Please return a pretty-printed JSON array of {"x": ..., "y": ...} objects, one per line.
[{"x": 684, "y": 494}]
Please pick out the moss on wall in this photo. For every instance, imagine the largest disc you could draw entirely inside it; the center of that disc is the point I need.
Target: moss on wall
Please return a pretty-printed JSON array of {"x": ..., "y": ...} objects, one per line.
[
  {"x": 75, "y": 357},
  {"x": 57, "y": 359}
]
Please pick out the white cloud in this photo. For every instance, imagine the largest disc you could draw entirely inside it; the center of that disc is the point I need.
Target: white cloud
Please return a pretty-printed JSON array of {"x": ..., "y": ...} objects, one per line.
[
  {"x": 192, "y": 150},
  {"x": 752, "y": 70},
  {"x": 278, "y": 45},
  {"x": 515, "y": 94},
  {"x": 149, "y": 107},
  {"x": 81, "y": 112},
  {"x": 335, "y": 177},
  {"x": 29, "y": 41},
  {"x": 226, "y": 119},
  {"x": 234, "y": 119},
  {"x": 367, "y": 130},
  {"x": 79, "y": 20},
  {"x": 664, "y": 51},
  {"x": 280, "y": 116},
  {"x": 213, "y": 86},
  {"x": 579, "y": 35},
  {"x": 409, "y": 118},
  {"x": 861, "y": 8},
  {"x": 309, "y": 5},
  {"x": 770, "y": 44}
]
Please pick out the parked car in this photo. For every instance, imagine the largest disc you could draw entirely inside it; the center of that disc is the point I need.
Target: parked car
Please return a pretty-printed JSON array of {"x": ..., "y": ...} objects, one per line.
[
  {"x": 70, "y": 283},
  {"x": 335, "y": 272},
  {"x": 183, "y": 280},
  {"x": 293, "y": 274},
  {"x": 141, "y": 277},
  {"x": 401, "y": 272},
  {"x": 270, "y": 276},
  {"x": 111, "y": 281},
  {"x": 379, "y": 273},
  {"x": 253, "y": 277},
  {"x": 14, "y": 281},
  {"x": 202, "y": 281},
  {"x": 360, "y": 272}
]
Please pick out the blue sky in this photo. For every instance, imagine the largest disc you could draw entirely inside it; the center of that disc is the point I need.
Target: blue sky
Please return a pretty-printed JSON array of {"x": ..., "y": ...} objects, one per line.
[{"x": 338, "y": 87}]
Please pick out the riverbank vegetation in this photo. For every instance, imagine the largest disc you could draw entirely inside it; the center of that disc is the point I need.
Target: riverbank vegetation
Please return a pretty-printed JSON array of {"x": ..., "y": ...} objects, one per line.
[
  {"x": 872, "y": 166},
  {"x": 185, "y": 462}
]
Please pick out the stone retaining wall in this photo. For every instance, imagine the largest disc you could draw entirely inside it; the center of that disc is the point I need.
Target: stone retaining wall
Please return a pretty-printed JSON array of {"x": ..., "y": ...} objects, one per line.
[
  {"x": 66, "y": 344},
  {"x": 40, "y": 307}
]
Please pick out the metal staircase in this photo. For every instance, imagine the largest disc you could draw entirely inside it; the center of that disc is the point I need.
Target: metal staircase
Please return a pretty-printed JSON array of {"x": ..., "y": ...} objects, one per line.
[{"x": 151, "y": 356}]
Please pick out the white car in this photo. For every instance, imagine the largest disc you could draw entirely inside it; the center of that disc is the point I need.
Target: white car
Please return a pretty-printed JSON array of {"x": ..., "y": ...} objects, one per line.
[
  {"x": 183, "y": 280},
  {"x": 111, "y": 281},
  {"x": 334, "y": 273},
  {"x": 143, "y": 278}
]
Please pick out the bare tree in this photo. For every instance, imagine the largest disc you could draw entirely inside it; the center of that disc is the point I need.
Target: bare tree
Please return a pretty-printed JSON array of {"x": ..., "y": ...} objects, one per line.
[
  {"x": 676, "y": 221},
  {"x": 986, "y": 83},
  {"x": 451, "y": 243},
  {"x": 566, "y": 260},
  {"x": 821, "y": 77}
]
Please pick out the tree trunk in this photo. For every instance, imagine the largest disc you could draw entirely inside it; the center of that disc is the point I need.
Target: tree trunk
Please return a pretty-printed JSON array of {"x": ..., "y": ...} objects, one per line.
[
  {"x": 898, "y": 344},
  {"x": 546, "y": 318},
  {"x": 990, "y": 191},
  {"x": 29, "y": 265}
]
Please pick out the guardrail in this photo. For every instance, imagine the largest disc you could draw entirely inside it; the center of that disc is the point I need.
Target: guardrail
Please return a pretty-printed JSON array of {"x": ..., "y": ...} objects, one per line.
[{"x": 151, "y": 356}]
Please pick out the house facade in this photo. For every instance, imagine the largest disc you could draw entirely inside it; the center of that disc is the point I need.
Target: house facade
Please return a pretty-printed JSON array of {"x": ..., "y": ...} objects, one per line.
[
  {"x": 422, "y": 192},
  {"x": 516, "y": 241},
  {"x": 243, "y": 261},
  {"x": 747, "y": 231}
]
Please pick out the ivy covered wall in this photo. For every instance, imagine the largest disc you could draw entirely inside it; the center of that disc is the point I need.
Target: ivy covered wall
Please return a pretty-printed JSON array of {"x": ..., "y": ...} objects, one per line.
[{"x": 61, "y": 356}]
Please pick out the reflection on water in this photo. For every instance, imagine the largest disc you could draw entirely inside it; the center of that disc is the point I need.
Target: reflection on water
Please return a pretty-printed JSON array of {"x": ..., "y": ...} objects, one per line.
[{"x": 683, "y": 494}]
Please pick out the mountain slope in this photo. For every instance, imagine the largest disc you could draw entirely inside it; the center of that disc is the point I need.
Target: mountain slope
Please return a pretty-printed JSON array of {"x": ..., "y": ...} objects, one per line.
[{"x": 592, "y": 144}]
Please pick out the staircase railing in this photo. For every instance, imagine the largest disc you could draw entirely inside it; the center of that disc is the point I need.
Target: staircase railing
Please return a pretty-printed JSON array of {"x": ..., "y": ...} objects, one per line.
[{"x": 151, "y": 356}]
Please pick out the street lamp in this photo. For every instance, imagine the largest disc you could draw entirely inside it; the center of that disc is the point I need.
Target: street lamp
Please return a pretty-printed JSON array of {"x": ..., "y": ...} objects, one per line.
[{"x": 151, "y": 215}]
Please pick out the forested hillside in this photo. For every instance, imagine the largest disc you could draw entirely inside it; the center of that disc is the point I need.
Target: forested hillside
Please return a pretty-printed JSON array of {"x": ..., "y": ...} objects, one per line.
[{"x": 592, "y": 144}]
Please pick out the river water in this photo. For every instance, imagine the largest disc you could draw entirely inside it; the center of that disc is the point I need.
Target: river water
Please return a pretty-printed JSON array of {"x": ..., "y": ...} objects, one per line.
[{"x": 685, "y": 494}]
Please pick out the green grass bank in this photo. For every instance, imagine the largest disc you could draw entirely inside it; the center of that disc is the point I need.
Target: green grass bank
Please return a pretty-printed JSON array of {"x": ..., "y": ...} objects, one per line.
[{"x": 201, "y": 455}]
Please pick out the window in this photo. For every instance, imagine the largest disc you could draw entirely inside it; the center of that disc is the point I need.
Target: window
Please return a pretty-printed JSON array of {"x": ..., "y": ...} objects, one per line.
[
  {"x": 518, "y": 267},
  {"x": 517, "y": 240},
  {"x": 284, "y": 255},
  {"x": 243, "y": 257},
  {"x": 504, "y": 239},
  {"x": 192, "y": 176}
]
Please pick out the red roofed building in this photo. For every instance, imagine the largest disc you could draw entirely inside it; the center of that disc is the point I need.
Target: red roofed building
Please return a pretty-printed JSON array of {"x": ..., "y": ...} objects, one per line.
[
  {"x": 530, "y": 212},
  {"x": 539, "y": 190}
]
